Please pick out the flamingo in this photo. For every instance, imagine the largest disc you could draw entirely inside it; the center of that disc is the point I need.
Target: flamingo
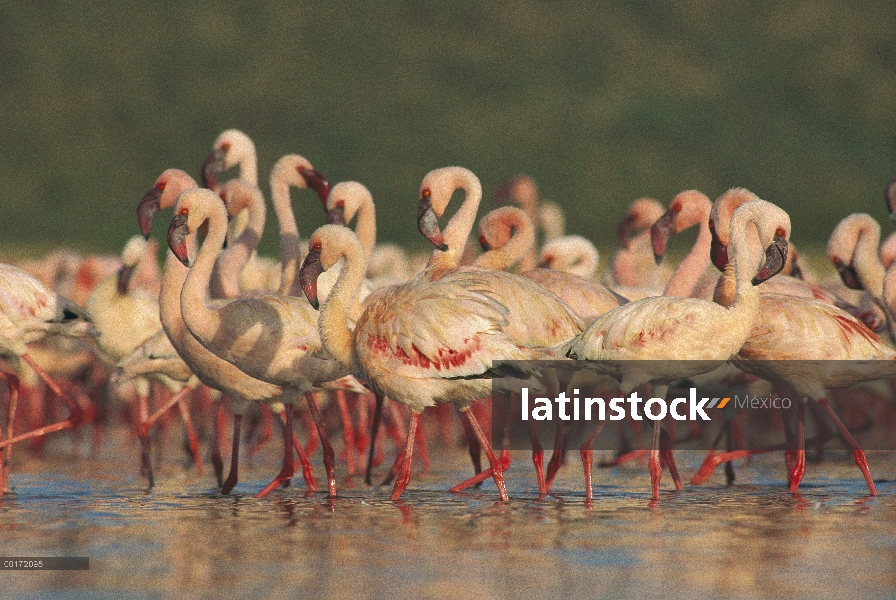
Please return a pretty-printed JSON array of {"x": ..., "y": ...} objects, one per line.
[
  {"x": 29, "y": 312},
  {"x": 687, "y": 209},
  {"x": 270, "y": 338},
  {"x": 570, "y": 253},
  {"x": 546, "y": 216},
  {"x": 647, "y": 340},
  {"x": 853, "y": 250},
  {"x": 633, "y": 271},
  {"x": 212, "y": 371}
]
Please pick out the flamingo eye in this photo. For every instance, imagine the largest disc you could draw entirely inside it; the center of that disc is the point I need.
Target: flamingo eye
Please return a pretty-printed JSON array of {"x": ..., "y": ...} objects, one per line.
[
  {"x": 185, "y": 211},
  {"x": 676, "y": 207},
  {"x": 425, "y": 193},
  {"x": 780, "y": 231},
  {"x": 225, "y": 146},
  {"x": 340, "y": 203},
  {"x": 316, "y": 246},
  {"x": 160, "y": 185}
]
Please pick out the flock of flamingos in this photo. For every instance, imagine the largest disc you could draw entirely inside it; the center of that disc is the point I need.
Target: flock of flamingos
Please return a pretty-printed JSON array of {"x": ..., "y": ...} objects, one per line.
[{"x": 339, "y": 318}]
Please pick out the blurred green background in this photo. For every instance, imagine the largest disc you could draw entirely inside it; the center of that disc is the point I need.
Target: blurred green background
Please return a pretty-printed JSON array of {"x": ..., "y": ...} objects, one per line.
[{"x": 599, "y": 102}]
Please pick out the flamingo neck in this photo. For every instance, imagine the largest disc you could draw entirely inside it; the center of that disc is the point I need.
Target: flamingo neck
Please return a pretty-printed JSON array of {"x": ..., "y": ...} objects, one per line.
[
  {"x": 289, "y": 235},
  {"x": 889, "y": 299},
  {"x": 459, "y": 227},
  {"x": 173, "y": 276},
  {"x": 745, "y": 306},
  {"x": 335, "y": 335},
  {"x": 226, "y": 273},
  {"x": 203, "y": 322},
  {"x": 521, "y": 241},
  {"x": 688, "y": 272},
  {"x": 866, "y": 261},
  {"x": 365, "y": 226}
]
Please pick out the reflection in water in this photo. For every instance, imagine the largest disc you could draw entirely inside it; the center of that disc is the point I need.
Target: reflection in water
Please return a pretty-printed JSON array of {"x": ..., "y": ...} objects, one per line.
[{"x": 753, "y": 539}]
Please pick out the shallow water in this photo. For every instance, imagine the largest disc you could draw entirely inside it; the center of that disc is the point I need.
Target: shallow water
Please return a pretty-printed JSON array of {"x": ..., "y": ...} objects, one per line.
[{"x": 184, "y": 539}]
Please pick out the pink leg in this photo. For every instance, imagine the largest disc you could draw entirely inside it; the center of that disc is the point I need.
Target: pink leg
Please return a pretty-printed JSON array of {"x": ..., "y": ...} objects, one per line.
[
  {"x": 217, "y": 460},
  {"x": 421, "y": 448},
  {"x": 13, "y": 382},
  {"x": 858, "y": 453},
  {"x": 348, "y": 430},
  {"x": 799, "y": 467},
  {"x": 669, "y": 460},
  {"x": 495, "y": 464},
  {"x": 587, "y": 454},
  {"x": 653, "y": 465},
  {"x": 404, "y": 476},
  {"x": 329, "y": 455},
  {"x": 286, "y": 472},
  {"x": 473, "y": 446},
  {"x": 76, "y": 413}
]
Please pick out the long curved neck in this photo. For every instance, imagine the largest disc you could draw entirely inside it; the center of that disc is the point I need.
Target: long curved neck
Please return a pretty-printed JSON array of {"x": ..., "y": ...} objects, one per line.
[
  {"x": 203, "y": 322},
  {"x": 173, "y": 276},
  {"x": 225, "y": 277},
  {"x": 289, "y": 235},
  {"x": 746, "y": 296},
  {"x": 365, "y": 226},
  {"x": 335, "y": 335},
  {"x": 521, "y": 242},
  {"x": 688, "y": 272},
  {"x": 889, "y": 299},
  {"x": 459, "y": 227},
  {"x": 867, "y": 262}
]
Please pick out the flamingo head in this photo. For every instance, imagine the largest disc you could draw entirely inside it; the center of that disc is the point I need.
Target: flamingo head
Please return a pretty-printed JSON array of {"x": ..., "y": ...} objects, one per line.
[
  {"x": 345, "y": 200},
  {"x": 662, "y": 230},
  {"x": 214, "y": 164},
  {"x": 315, "y": 180},
  {"x": 310, "y": 271},
  {"x": 148, "y": 207},
  {"x": 428, "y": 221},
  {"x": 847, "y": 273},
  {"x": 177, "y": 236},
  {"x": 775, "y": 257},
  {"x": 163, "y": 194}
]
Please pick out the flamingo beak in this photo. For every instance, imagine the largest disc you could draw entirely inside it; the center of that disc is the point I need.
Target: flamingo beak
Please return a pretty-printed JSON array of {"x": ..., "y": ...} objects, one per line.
[
  {"x": 775, "y": 257},
  {"x": 718, "y": 252},
  {"x": 124, "y": 278},
  {"x": 428, "y": 224},
  {"x": 483, "y": 243},
  {"x": 336, "y": 215},
  {"x": 849, "y": 275},
  {"x": 795, "y": 269},
  {"x": 315, "y": 180},
  {"x": 308, "y": 274},
  {"x": 660, "y": 233},
  {"x": 177, "y": 238},
  {"x": 213, "y": 167},
  {"x": 147, "y": 209}
]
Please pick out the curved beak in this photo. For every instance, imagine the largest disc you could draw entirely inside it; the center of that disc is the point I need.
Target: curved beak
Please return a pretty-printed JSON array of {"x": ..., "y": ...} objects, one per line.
[
  {"x": 147, "y": 209},
  {"x": 308, "y": 274},
  {"x": 849, "y": 276},
  {"x": 336, "y": 216},
  {"x": 795, "y": 269},
  {"x": 213, "y": 167},
  {"x": 315, "y": 180},
  {"x": 124, "y": 278},
  {"x": 660, "y": 233},
  {"x": 775, "y": 256},
  {"x": 428, "y": 224},
  {"x": 177, "y": 238},
  {"x": 718, "y": 252}
]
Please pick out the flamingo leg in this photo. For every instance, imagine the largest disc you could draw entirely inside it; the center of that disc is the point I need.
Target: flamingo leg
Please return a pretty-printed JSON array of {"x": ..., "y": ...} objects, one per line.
[
  {"x": 587, "y": 454},
  {"x": 191, "y": 432},
  {"x": 474, "y": 447},
  {"x": 858, "y": 453},
  {"x": 557, "y": 457},
  {"x": 145, "y": 445},
  {"x": 669, "y": 459},
  {"x": 329, "y": 455},
  {"x": 496, "y": 468},
  {"x": 288, "y": 469},
  {"x": 404, "y": 475},
  {"x": 348, "y": 430},
  {"x": 653, "y": 465},
  {"x": 422, "y": 450},
  {"x": 13, "y": 382},
  {"x": 537, "y": 458},
  {"x": 799, "y": 466},
  {"x": 304, "y": 462},
  {"x": 76, "y": 412},
  {"x": 233, "y": 475},
  {"x": 217, "y": 460},
  {"x": 377, "y": 414}
]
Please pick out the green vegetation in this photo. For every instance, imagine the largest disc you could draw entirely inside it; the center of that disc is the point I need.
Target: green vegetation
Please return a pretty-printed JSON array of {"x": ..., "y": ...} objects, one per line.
[{"x": 600, "y": 102}]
